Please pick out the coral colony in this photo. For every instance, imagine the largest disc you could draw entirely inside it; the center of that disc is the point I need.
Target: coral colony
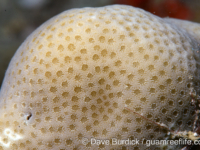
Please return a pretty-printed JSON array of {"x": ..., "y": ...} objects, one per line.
[{"x": 73, "y": 81}]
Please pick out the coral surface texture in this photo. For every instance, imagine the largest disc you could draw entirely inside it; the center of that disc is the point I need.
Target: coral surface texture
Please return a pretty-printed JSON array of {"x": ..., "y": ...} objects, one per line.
[{"x": 101, "y": 78}]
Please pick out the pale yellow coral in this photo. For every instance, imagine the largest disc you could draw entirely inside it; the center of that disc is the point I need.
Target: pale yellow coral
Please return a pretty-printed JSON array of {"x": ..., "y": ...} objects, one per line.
[
  {"x": 191, "y": 27},
  {"x": 72, "y": 78}
]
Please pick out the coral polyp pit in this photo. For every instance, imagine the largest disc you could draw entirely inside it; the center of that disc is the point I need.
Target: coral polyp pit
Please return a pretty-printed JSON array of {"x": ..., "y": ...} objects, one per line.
[{"x": 75, "y": 75}]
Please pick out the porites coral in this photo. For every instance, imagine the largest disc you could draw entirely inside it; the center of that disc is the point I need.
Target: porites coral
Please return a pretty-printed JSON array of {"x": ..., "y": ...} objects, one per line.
[{"x": 73, "y": 77}]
